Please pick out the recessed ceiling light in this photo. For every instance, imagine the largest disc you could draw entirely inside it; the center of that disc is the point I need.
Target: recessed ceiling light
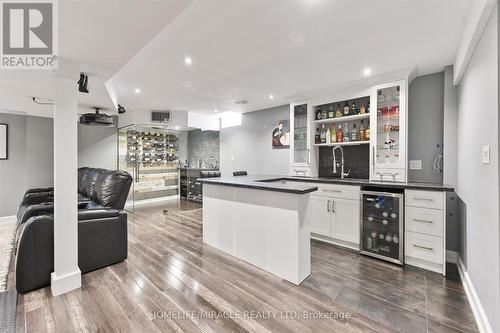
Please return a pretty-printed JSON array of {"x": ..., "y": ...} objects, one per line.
[
  {"x": 188, "y": 60},
  {"x": 271, "y": 96},
  {"x": 137, "y": 90},
  {"x": 367, "y": 71},
  {"x": 177, "y": 127},
  {"x": 216, "y": 110}
]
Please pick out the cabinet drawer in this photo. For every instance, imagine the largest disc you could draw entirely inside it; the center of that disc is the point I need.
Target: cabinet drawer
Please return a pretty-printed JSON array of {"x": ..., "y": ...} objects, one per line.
[
  {"x": 424, "y": 220},
  {"x": 424, "y": 199},
  {"x": 424, "y": 247},
  {"x": 338, "y": 191}
]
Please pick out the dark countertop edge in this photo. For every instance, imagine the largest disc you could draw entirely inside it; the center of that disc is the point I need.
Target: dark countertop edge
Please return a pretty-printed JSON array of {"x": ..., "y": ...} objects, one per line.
[
  {"x": 203, "y": 169},
  {"x": 366, "y": 182},
  {"x": 258, "y": 185}
]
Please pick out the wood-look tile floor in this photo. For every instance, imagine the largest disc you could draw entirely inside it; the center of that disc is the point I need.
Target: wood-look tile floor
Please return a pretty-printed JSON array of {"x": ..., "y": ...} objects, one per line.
[{"x": 173, "y": 282}]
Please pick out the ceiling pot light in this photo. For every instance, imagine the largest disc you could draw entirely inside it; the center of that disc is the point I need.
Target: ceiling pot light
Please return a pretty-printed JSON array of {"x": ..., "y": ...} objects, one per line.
[
  {"x": 271, "y": 96},
  {"x": 188, "y": 61},
  {"x": 367, "y": 71},
  {"x": 215, "y": 111},
  {"x": 137, "y": 90}
]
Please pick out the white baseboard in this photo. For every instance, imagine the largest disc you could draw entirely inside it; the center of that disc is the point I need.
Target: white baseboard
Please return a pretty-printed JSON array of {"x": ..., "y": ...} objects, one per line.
[
  {"x": 7, "y": 218},
  {"x": 62, "y": 284},
  {"x": 477, "y": 309},
  {"x": 151, "y": 201},
  {"x": 451, "y": 256}
]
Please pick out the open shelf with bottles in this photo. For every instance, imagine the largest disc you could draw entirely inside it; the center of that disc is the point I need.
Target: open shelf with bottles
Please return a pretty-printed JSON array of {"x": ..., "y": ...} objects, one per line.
[
  {"x": 353, "y": 143},
  {"x": 343, "y": 118}
]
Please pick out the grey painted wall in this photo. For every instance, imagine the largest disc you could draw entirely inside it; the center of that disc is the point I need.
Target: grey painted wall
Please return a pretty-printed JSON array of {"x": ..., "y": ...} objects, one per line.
[
  {"x": 425, "y": 125},
  {"x": 97, "y": 146},
  {"x": 203, "y": 146},
  {"x": 30, "y": 159},
  {"x": 478, "y": 183},
  {"x": 250, "y": 144}
]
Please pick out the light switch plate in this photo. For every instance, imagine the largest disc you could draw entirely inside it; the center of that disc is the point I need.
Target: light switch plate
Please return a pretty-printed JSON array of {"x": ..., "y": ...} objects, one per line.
[
  {"x": 486, "y": 154},
  {"x": 415, "y": 164}
]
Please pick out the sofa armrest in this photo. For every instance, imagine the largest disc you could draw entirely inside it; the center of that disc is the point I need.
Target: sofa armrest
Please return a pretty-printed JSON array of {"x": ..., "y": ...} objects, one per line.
[
  {"x": 40, "y": 189},
  {"x": 93, "y": 214},
  {"x": 102, "y": 241},
  {"x": 34, "y": 210},
  {"x": 35, "y": 254},
  {"x": 36, "y": 198}
]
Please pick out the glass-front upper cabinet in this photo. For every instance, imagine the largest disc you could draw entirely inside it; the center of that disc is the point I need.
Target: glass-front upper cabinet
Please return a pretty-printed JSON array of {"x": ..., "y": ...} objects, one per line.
[
  {"x": 300, "y": 140},
  {"x": 388, "y": 137}
]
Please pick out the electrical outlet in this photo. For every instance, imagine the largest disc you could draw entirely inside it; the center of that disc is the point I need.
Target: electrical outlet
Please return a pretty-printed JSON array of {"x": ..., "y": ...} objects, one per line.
[
  {"x": 232, "y": 159},
  {"x": 486, "y": 154},
  {"x": 415, "y": 164}
]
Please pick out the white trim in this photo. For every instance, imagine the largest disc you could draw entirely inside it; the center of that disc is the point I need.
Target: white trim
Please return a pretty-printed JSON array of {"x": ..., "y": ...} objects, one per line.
[
  {"x": 477, "y": 309},
  {"x": 63, "y": 284},
  {"x": 451, "y": 256},
  {"x": 479, "y": 16},
  {"x": 10, "y": 218},
  {"x": 151, "y": 201}
]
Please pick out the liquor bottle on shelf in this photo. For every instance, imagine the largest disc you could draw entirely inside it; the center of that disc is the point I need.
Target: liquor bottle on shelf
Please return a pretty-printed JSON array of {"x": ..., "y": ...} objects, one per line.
[
  {"x": 323, "y": 134},
  {"x": 354, "y": 133},
  {"x": 346, "y": 109},
  {"x": 362, "y": 133},
  {"x": 331, "y": 113},
  {"x": 347, "y": 134},
  {"x": 367, "y": 133},
  {"x": 333, "y": 134},
  {"x": 318, "y": 113},
  {"x": 317, "y": 137},
  {"x": 362, "y": 109},
  {"x": 338, "y": 113},
  {"x": 340, "y": 134},
  {"x": 354, "y": 109},
  {"x": 324, "y": 114},
  {"x": 328, "y": 136}
]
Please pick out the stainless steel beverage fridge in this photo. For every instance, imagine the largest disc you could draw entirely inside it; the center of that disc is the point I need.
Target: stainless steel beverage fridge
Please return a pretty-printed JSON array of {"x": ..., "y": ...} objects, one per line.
[{"x": 382, "y": 227}]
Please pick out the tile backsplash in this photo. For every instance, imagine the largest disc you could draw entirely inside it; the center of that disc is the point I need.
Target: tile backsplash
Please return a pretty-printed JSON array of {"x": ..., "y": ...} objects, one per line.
[{"x": 356, "y": 158}]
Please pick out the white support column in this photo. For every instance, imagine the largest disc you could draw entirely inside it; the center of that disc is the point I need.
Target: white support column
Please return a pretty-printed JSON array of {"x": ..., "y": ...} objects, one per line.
[{"x": 66, "y": 275}]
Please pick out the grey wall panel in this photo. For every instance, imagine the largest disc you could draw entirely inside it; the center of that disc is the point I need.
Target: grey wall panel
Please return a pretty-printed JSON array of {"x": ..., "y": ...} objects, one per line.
[
  {"x": 425, "y": 125},
  {"x": 203, "y": 146},
  {"x": 250, "y": 144},
  {"x": 13, "y": 170},
  {"x": 97, "y": 146}
]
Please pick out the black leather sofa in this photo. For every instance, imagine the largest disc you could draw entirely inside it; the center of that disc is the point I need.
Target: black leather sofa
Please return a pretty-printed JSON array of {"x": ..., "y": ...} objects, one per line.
[{"x": 102, "y": 227}]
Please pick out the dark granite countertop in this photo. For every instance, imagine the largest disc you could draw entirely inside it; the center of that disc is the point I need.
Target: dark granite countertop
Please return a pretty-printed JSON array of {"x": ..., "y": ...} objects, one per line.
[{"x": 272, "y": 183}]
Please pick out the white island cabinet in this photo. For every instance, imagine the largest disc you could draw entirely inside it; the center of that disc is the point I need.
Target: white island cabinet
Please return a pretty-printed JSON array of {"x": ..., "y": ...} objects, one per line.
[{"x": 266, "y": 228}]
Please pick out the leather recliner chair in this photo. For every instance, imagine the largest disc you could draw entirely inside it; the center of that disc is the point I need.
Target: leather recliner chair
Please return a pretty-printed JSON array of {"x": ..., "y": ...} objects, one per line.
[{"x": 102, "y": 230}]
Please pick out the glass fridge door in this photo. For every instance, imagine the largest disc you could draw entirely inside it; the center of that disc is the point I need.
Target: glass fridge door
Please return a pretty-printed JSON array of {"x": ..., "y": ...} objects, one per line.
[
  {"x": 300, "y": 144},
  {"x": 382, "y": 226},
  {"x": 389, "y": 143}
]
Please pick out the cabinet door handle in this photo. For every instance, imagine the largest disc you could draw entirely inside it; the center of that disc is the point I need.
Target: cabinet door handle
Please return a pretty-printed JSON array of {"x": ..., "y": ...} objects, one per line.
[
  {"x": 309, "y": 156},
  {"x": 423, "y": 199},
  {"x": 420, "y": 220},
  {"x": 373, "y": 156},
  {"x": 334, "y": 206},
  {"x": 335, "y": 191},
  {"x": 328, "y": 206},
  {"x": 423, "y": 247}
]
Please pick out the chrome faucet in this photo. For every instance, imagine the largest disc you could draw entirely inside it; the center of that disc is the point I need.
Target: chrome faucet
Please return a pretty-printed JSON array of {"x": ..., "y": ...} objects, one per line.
[{"x": 341, "y": 163}]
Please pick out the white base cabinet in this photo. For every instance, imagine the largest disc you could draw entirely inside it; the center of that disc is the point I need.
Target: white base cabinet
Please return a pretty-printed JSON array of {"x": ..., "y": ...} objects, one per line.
[
  {"x": 425, "y": 230},
  {"x": 335, "y": 215}
]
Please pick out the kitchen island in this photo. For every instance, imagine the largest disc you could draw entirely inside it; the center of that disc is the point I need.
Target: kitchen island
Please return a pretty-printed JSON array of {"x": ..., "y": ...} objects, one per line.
[
  {"x": 261, "y": 223},
  {"x": 268, "y": 220}
]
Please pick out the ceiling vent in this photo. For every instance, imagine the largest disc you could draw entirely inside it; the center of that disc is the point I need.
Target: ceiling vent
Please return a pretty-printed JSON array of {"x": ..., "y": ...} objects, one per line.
[{"x": 161, "y": 117}]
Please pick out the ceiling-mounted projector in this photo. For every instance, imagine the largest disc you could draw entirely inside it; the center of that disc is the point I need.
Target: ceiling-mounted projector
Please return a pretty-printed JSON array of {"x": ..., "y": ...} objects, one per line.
[{"x": 97, "y": 119}]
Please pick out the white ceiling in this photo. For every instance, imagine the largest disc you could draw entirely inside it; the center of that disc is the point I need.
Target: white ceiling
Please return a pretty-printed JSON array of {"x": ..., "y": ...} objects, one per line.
[
  {"x": 247, "y": 49},
  {"x": 241, "y": 49},
  {"x": 101, "y": 35}
]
